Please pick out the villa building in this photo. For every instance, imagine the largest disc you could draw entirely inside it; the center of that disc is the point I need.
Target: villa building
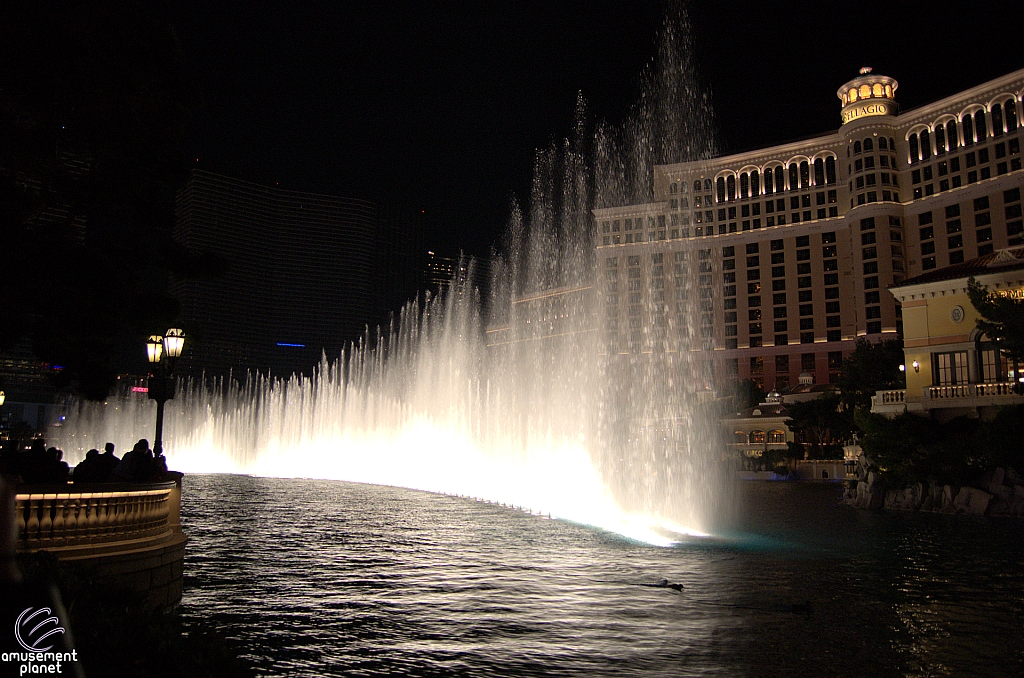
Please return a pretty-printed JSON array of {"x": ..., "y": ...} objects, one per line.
[
  {"x": 953, "y": 369},
  {"x": 776, "y": 261}
]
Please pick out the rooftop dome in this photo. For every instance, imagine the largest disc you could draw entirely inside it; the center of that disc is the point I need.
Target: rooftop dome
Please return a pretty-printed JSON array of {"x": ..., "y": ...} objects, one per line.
[{"x": 867, "y": 95}]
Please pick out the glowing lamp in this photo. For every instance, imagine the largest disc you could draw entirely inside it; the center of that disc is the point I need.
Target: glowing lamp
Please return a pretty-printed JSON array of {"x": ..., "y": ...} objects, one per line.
[
  {"x": 155, "y": 348},
  {"x": 174, "y": 340},
  {"x": 903, "y": 368},
  {"x": 2, "y": 398},
  {"x": 916, "y": 365}
]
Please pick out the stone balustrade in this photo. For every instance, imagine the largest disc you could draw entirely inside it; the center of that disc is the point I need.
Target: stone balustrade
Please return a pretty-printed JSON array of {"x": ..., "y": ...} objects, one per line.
[
  {"x": 894, "y": 397},
  {"x": 126, "y": 534},
  {"x": 965, "y": 391},
  {"x": 61, "y": 517}
]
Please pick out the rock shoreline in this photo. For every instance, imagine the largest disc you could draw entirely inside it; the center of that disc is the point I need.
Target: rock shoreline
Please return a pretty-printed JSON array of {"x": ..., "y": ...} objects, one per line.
[{"x": 999, "y": 492}]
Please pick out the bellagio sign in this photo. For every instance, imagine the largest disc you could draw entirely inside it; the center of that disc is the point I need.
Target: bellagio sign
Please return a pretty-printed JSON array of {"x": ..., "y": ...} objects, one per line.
[{"x": 864, "y": 110}]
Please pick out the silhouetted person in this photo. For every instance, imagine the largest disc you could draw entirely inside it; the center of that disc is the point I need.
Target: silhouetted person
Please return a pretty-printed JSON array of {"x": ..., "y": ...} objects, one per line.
[
  {"x": 56, "y": 469},
  {"x": 86, "y": 470},
  {"x": 137, "y": 464},
  {"x": 32, "y": 466},
  {"x": 122, "y": 472},
  {"x": 142, "y": 468},
  {"x": 159, "y": 467},
  {"x": 105, "y": 464}
]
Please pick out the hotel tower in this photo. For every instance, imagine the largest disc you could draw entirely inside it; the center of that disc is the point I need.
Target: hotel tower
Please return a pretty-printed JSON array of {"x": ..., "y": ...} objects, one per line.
[{"x": 776, "y": 261}]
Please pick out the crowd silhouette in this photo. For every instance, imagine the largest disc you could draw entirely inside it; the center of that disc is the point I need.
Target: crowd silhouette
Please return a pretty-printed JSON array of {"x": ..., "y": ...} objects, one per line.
[{"x": 41, "y": 465}]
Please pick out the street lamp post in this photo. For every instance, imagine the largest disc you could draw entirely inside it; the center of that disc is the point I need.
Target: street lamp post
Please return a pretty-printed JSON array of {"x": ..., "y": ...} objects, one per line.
[{"x": 162, "y": 353}]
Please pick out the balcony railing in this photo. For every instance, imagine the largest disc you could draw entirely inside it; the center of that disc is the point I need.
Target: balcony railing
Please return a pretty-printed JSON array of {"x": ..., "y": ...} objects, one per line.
[
  {"x": 969, "y": 391},
  {"x": 95, "y": 518},
  {"x": 894, "y": 397}
]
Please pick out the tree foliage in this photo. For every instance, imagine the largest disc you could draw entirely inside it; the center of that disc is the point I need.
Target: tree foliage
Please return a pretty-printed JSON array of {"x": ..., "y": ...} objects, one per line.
[
  {"x": 825, "y": 418},
  {"x": 1002, "y": 320},
  {"x": 871, "y": 367},
  {"x": 746, "y": 394},
  {"x": 909, "y": 448},
  {"x": 93, "y": 106}
]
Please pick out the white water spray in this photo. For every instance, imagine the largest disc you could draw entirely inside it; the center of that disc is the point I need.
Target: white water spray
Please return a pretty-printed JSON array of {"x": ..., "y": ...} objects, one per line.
[{"x": 523, "y": 409}]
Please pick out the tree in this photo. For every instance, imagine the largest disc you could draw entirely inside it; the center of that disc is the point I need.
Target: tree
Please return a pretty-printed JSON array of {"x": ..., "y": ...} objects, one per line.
[
  {"x": 825, "y": 418},
  {"x": 1002, "y": 321},
  {"x": 871, "y": 367},
  {"x": 746, "y": 394},
  {"x": 93, "y": 106}
]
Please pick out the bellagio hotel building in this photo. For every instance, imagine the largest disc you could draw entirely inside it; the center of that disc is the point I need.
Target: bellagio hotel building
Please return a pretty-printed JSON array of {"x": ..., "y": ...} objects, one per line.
[{"x": 776, "y": 261}]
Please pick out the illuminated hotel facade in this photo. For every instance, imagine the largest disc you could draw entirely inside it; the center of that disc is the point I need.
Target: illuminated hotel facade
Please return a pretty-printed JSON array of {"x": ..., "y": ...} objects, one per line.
[{"x": 776, "y": 261}]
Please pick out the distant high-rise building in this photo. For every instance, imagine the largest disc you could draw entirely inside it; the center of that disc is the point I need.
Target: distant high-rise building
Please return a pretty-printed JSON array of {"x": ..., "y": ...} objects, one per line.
[{"x": 307, "y": 273}]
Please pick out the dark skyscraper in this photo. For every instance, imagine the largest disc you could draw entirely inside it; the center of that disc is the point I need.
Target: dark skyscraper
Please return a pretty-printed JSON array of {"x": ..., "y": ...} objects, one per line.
[{"x": 307, "y": 273}]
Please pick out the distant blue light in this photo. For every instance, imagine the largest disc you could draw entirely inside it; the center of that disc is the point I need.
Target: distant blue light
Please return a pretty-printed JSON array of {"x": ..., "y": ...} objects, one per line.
[{"x": 281, "y": 343}]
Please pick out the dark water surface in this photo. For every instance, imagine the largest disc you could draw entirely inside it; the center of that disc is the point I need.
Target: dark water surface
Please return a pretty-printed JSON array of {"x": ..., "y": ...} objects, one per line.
[{"x": 323, "y": 578}]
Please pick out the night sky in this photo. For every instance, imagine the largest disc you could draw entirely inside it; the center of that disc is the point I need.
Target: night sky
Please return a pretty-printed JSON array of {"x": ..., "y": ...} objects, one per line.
[{"x": 438, "y": 107}]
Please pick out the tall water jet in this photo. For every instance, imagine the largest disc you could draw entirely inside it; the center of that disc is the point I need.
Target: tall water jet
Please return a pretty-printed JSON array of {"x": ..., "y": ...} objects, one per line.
[{"x": 527, "y": 406}]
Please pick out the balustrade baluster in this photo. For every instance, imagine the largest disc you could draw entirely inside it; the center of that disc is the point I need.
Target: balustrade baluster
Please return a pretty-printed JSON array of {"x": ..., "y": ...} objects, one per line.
[
  {"x": 71, "y": 517},
  {"x": 46, "y": 518},
  {"x": 92, "y": 519},
  {"x": 115, "y": 518},
  {"x": 20, "y": 510},
  {"x": 103, "y": 513},
  {"x": 59, "y": 520},
  {"x": 33, "y": 517}
]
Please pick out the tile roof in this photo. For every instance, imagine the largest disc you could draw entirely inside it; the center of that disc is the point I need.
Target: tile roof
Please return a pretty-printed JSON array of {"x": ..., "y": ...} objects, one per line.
[{"x": 1001, "y": 260}]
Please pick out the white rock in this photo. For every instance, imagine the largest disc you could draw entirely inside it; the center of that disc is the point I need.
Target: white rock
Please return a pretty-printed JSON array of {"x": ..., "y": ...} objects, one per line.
[{"x": 972, "y": 500}]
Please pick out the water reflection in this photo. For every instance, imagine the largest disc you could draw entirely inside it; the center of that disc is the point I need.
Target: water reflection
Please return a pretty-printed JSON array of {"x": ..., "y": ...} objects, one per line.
[{"x": 317, "y": 578}]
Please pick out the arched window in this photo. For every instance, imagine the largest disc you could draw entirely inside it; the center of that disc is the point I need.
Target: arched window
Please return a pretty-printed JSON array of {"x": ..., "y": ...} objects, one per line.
[
  {"x": 868, "y": 145},
  {"x": 696, "y": 186},
  {"x": 683, "y": 203},
  {"x": 707, "y": 185},
  {"x": 780, "y": 179},
  {"x": 793, "y": 177},
  {"x": 756, "y": 437},
  {"x": 865, "y": 91},
  {"x": 755, "y": 184},
  {"x": 673, "y": 189},
  {"x": 805, "y": 174},
  {"x": 819, "y": 172},
  {"x": 856, "y": 147},
  {"x": 740, "y": 437},
  {"x": 744, "y": 185},
  {"x": 926, "y": 145},
  {"x": 912, "y": 142},
  {"x": 980, "y": 128},
  {"x": 776, "y": 437},
  {"x": 952, "y": 138},
  {"x": 997, "y": 120},
  {"x": 940, "y": 140},
  {"x": 852, "y": 94},
  {"x": 881, "y": 143},
  {"x": 769, "y": 186},
  {"x": 721, "y": 188},
  {"x": 888, "y": 91},
  {"x": 892, "y": 144},
  {"x": 1011, "y": 115},
  {"x": 877, "y": 89},
  {"x": 730, "y": 185},
  {"x": 830, "y": 170},
  {"x": 968, "y": 123}
]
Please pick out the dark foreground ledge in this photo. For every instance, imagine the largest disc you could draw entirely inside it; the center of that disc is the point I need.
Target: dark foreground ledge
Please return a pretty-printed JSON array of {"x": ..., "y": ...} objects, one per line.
[{"x": 123, "y": 535}]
